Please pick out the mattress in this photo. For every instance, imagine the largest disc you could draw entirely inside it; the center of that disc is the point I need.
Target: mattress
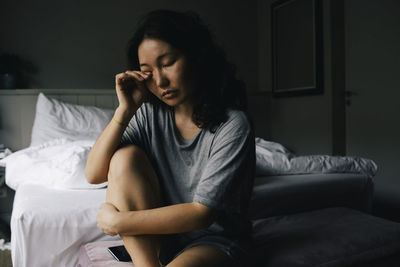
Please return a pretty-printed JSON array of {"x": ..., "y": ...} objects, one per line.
[
  {"x": 49, "y": 225},
  {"x": 287, "y": 194}
]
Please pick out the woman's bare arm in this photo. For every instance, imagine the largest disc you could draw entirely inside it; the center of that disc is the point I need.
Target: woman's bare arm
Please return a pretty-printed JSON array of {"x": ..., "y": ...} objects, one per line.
[
  {"x": 176, "y": 218},
  {"x": 100, "y": 155},
  {"x": 131, "y": 92}
]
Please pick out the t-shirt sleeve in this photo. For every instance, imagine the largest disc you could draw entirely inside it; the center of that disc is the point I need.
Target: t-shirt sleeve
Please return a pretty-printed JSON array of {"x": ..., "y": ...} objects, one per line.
[
  {"x": 227, "y": 180},
  {"x": 136, "y": 131}
]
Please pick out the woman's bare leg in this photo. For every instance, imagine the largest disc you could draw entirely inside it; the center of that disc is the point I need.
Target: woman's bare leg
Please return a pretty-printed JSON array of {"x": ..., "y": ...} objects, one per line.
[
  {"x": 133, "y": 185},
  {"x": 202, "y": 255}
]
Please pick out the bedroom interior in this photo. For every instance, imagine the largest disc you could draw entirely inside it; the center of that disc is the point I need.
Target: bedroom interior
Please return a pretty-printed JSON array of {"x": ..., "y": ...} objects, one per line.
[{"x": 357, "y": 114}]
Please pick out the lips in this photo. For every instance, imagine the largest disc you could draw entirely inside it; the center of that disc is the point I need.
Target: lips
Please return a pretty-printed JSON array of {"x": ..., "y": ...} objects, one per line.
[{"x": 169, "y": 93}]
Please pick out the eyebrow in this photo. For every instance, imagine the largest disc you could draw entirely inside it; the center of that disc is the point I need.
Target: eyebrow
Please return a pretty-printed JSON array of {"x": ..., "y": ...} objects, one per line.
[{"x": 158, "y": 58}]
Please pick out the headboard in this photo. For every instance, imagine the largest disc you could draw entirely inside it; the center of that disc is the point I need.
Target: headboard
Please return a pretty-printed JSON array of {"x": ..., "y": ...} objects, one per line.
[{"x": 17, "y": 109}]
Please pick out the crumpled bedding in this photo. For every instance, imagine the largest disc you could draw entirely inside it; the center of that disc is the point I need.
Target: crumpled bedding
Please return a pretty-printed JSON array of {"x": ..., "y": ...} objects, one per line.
[
  {"x": 274, "y": 159},
  {"x": 59, "y": 163}
]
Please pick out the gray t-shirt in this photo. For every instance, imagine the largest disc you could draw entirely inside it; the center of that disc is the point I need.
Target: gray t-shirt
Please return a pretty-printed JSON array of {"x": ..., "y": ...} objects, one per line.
[{"x": 214, "y": 169}]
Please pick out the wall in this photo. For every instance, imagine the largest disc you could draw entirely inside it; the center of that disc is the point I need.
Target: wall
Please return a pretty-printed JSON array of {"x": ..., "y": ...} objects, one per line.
[
  {"x": 370, "y": 62},
  {"x": 302, "y": 124},
  {"x": 81, "y": 44},
  {"x": 372, "y": 71}
]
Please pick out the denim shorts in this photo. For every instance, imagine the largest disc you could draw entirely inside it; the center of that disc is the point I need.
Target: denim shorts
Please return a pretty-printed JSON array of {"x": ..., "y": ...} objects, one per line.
[{"x": 237, "y": 249}]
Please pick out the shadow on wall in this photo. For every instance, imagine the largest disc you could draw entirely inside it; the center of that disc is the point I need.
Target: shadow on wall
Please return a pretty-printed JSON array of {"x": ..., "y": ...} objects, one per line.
[{"x": 16, "y": 72}]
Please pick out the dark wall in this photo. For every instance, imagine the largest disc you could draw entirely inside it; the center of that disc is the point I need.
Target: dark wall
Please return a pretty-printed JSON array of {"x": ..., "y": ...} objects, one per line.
[
  {"x": 303, "y": 124},
  {"x": 81, "y": 44},
  {"x": 372, "y": 72},
  {"x": 371, "y": 64}
]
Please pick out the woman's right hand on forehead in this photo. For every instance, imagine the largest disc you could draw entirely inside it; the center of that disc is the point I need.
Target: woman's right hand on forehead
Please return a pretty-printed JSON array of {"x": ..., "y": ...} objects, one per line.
[{"x": 131, "y": 89}]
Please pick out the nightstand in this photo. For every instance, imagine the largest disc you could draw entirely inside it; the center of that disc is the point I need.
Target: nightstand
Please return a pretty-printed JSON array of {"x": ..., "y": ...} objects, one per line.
[
  {"x": 2, "y": 180},
  {"x": 6, "y": 198}
]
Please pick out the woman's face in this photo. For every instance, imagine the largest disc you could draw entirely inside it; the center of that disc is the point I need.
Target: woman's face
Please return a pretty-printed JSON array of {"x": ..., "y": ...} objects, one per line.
[{"x": 168, "y": 67}]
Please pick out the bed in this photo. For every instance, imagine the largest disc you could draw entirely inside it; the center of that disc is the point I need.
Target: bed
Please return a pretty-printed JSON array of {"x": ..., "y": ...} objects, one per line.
[
  {"x": 54, "y": 207},
  {"x": 50, "y": 221},
  {"x": 49, "y": 225}
]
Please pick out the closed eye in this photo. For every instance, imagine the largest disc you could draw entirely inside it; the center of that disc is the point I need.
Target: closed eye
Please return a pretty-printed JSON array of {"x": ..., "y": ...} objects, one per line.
[{"x": 168, "y": 64}]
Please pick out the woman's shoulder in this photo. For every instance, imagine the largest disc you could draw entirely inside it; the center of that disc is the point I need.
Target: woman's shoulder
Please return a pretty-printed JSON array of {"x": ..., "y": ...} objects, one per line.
[
  {"x": 237, "y": 117},
  {"x": 236, "y": 123}
]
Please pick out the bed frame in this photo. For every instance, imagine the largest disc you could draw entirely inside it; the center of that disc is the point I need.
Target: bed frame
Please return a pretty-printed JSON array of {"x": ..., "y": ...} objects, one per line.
[{"x": 17, "y": 109}]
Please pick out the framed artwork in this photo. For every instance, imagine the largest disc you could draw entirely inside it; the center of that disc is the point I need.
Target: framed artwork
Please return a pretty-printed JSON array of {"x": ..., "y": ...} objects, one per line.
[{"x": 297, "y": 66}]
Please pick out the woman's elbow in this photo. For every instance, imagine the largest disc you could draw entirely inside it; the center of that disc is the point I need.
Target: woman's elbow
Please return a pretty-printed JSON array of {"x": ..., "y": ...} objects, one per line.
[
  {"x": 206, "y": 216},
  {"x": 206, "y": 222},
  {"x": 92, "y": 178}
]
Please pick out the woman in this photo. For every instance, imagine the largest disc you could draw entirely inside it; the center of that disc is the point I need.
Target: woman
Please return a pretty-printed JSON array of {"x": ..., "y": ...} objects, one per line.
[{"x": 179, "y": 153}]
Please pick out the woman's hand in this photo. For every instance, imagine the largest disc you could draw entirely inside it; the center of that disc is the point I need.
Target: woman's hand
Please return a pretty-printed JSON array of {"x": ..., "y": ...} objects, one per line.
[
  {"x": 131, "y": 89},
  {"x": 107, "y": 219}
]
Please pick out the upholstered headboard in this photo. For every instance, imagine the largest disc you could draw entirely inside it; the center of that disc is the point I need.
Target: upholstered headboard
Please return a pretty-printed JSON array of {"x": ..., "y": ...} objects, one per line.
[{"x": 17, "y": 110}]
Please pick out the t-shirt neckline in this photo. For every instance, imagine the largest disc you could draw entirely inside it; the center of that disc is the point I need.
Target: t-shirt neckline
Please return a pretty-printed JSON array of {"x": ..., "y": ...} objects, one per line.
[{"x": 178, "y": 135}]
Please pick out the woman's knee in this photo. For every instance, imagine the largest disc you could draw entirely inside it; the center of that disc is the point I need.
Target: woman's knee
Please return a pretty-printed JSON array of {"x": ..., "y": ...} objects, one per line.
[
  {"x": 132, "y": 160},
  {"x": 125, "y": 160},
  {"x": 132, "y": 176}
]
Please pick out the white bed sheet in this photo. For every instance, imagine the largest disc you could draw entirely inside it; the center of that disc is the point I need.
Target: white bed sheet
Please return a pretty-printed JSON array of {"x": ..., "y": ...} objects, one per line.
[{"x": 48, "y": 225}]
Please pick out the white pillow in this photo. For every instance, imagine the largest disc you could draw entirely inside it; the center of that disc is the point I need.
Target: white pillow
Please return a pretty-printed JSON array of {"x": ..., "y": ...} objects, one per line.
[{"x": 56, "y": 119}]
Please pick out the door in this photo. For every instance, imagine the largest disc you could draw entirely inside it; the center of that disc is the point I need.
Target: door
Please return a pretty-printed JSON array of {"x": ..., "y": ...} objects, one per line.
[{"x": 372, "y": 41}]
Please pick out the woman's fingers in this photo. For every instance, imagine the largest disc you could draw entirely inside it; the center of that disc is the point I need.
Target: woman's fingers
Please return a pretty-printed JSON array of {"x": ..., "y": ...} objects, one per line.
[
  {"x": 131, "y": 88},
  {"x": 141, "y": 76},
  {"x": 121, "y": 79},
  {"x": 131, "y": 78},
  {"x": 134, "y": 75}
]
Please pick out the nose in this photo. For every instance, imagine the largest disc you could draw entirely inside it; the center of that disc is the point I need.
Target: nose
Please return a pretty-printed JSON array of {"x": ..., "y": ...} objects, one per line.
[{"x": 160, "y": 79}]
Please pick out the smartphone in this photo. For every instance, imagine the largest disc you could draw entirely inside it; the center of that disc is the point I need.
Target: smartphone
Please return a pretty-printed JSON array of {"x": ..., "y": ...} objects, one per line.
[{"x": 120, "y": 253}]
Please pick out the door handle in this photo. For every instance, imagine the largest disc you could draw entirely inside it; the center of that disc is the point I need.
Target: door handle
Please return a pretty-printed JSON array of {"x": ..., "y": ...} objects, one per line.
[{"x": 348, "y": 94}]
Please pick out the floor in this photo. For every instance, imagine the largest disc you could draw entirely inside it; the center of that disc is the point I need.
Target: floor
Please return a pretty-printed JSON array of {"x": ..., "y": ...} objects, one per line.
[
  {"x": 386, "y": 209},
  {"x": 5, "y": 255},
  {"x": 5, "y": 258}
]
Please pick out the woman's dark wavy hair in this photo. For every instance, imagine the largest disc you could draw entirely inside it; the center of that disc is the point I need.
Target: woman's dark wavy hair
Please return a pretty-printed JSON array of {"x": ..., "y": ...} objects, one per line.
[{"x": 216, "y": 87}]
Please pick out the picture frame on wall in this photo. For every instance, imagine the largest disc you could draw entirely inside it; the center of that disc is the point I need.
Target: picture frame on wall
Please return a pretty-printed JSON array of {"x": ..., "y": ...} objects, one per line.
[{"x": 297, "y": 55}]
